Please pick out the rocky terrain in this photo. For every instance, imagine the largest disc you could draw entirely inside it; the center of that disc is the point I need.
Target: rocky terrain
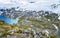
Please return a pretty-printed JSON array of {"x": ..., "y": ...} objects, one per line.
[{"x": 31, "y": 24}]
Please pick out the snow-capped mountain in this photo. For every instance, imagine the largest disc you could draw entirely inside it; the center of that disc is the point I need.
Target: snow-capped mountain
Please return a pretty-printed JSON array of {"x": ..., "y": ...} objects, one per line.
[
  {"x": 11, "y": 8},
  {"x": 47, "y": 5}
]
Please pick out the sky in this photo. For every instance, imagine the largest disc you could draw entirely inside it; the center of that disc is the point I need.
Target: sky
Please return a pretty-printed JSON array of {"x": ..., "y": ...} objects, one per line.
[{"x": 27, "y": 5}]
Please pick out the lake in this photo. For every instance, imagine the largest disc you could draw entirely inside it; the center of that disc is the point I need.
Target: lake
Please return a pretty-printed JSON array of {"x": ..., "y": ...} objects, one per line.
[{"x": 9, "y": 20}]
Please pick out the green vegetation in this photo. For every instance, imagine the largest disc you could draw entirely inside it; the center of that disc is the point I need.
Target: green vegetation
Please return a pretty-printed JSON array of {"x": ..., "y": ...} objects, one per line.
[{"x": 41, "y": 24}]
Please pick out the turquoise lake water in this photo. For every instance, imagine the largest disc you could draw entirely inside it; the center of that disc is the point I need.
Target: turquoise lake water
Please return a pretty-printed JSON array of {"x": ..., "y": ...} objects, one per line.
[{"x": 9, "y": 20}]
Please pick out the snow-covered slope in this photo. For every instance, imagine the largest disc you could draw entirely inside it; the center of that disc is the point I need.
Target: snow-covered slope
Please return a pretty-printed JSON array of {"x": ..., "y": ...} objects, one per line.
[{"x": 36, "y": 5}]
